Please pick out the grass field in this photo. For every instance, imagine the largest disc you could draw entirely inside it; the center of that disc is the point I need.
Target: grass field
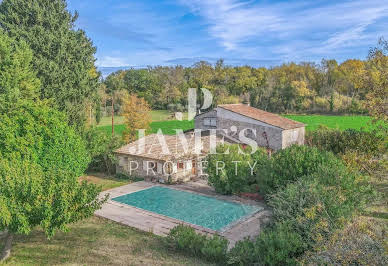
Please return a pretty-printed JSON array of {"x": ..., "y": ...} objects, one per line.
[
  {"x": 337, "y": 122},
  {"x": 96, "y": 241},
  {"x": 160, "y": 120},
  {"x": 157, "y": 115},
  {"x": 168, "y": 127}
]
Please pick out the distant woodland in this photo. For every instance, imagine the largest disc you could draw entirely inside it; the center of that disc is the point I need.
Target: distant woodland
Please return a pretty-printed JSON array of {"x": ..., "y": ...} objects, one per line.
[{"x": 328, "y": 87}]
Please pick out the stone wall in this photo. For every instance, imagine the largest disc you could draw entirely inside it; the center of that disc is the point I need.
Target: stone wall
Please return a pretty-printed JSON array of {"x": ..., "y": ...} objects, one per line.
[
  {"x": 125, "y": 162},
  {"x": 199, "y": 120},
  {"x": 293, "y": 136},
  {"x": 274, "y": 135}
]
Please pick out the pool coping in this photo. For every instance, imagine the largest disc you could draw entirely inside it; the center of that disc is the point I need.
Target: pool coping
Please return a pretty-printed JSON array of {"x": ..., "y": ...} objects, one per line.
[{"x": 246, "y": 226}]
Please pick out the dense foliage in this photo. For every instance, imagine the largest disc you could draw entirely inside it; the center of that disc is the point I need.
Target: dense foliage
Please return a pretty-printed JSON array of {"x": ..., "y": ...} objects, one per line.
[
  {"x": 17, "y": 77},
  {"x": 304, "y": 87},
  {"x": 63, "y": 56},
  {"x": 232, "y": 169},
  {"x": 184, "y": 238},
  {"x": 51, "y": 199},
  {"x": 137, "y": 114},
  {"x": 40, "y": 134},
  {"x": 100, "y": 147},
  {"x": 306, "y": 214},
  {"x": 288, "y": 165},
  {"x": 360, "y": 243},
  {"x": 350, "y": 140}
]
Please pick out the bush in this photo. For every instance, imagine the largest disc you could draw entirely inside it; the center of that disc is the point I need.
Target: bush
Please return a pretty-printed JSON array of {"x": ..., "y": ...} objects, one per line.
[
  {"x": 228, "y": 181},
  {"x": 361, "y": 243},
  {"x": 309, "y": 207},
  {"x": 289, "y": 164},
  {"x": 41, "y": 135},
  {"x": 101, "y": 148},
  {"x": 185, "y": 238},
  {"x": 306, "y": 214},
  {"x": 350, "y": 140},
  {"x": 277, "y": 245}
]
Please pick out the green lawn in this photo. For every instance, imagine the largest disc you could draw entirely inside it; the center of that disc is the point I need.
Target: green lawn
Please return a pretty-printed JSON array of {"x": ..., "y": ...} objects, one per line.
[
  {"x": 96, "y": 241},
  {"x": 160, "y": 120},
  {"x": 337, "y": 122},
  {"x": 157, "y": 115},
  {"x": 168, "y": 127}
]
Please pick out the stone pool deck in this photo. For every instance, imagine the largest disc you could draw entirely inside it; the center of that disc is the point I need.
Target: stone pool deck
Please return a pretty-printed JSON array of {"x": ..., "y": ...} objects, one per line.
[{"x": 161, "y": 225}]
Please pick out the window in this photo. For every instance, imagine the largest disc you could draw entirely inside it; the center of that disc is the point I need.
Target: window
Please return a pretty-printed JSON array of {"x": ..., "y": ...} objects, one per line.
[
  {"x": 210, "y": 122},
  {"x": 180, "y": 165}
]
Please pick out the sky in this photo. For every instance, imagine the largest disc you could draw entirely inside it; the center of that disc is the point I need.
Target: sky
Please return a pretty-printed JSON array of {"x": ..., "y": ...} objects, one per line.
[{"x": 138, "y": 33}]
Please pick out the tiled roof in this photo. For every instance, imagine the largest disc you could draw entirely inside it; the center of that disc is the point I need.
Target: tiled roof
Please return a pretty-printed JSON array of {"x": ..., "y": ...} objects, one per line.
[
  {"x": 152, "y": 149},
  {"x": 263, "y": 116}
]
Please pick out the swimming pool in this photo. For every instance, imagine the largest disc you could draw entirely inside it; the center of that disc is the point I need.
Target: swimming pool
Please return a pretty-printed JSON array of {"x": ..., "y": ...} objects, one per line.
[{"x": 189, "y": 207}]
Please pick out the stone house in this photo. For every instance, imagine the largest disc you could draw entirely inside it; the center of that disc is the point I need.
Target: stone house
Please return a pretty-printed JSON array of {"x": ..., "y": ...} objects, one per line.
[
  {"x": 168, "y": 159},
  {"x": 272, "y": 131}
]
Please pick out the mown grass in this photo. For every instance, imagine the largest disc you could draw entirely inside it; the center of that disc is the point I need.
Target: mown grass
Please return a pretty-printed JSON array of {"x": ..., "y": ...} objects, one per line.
[
  {"x": 337, "y": 122},
  {"x": 106, "y": 182},
  {"x": 96, "y": 241}
]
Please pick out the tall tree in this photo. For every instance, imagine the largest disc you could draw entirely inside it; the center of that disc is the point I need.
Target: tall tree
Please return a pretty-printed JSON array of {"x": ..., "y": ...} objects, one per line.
[
  {"x": 17, "y": 78},
  {"x": 30, "y": 197},
  {"x": 63, "y": 55},
  {"x": 377, "y": 81},
  {"x": 41, "y": 158},
  {"x": 113, "y": 84},
  {"x": 137, "y": 115}
]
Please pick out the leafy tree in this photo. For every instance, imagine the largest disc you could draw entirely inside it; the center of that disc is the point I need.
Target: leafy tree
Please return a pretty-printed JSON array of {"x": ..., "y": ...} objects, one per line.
[
  {"x": 377, "y": 81},
  {"x": 40, "y": 134},
  {"x": 31, "y": 197},
  {"x": 63, "y": 56},
  {"x": 101, "y": 149},
  {"x": 137, "y": 115},
  {"x": 17, "y": 78}
]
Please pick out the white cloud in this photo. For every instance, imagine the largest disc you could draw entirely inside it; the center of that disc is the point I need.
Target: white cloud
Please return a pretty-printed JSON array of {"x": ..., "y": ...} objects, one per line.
[
  {"x": 109, "y": 61},
  {"x": 294, "y": 27}
]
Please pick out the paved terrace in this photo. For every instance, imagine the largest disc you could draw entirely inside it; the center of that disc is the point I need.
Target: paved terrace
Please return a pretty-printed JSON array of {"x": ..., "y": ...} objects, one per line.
[{"x": 161, "y": 225}]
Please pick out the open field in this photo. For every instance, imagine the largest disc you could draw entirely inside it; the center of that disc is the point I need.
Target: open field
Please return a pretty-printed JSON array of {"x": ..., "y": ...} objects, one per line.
[
  {"x": 336, "y": 122},
  {"x": 160, "y": 120},
  {"x": 97, "y": 241},
  {"x": 157, "y": 115},
  {"x": 168, "y": 127}
]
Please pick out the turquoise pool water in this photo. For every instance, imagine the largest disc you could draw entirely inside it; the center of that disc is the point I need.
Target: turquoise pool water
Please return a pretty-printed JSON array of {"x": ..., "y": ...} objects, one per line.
[{"x": 192, "y": 208}]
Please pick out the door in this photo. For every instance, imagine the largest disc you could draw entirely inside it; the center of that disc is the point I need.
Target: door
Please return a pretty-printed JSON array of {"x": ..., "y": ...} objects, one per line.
[{"x": 194, "y": 167}]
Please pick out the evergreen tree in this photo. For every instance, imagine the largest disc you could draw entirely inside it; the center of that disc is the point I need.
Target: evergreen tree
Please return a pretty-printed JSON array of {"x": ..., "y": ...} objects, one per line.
[
  {"x": 63, "y": 55},
  {"x": 17, "y": 78}
]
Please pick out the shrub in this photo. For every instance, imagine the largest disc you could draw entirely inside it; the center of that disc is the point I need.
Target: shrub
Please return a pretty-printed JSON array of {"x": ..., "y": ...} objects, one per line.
[
  {"x": 350, "y": 140},
  {"x": 101, "y": 147},
  {"x": 277, "y": 245},
  {"x": 289, "y": 164},
  {"x": 243, "y": 253},
  {"x": 360, "y": 243},
  {"x": 185, "y": 238},
  {"x": 228, "y": 180},
  {"x": 310, "y": 209},
  {"x": 40, "y": 134},
  {"x": 306, "y": 214}
]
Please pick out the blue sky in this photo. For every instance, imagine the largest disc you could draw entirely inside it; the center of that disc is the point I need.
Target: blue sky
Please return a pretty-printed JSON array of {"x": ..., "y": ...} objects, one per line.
[{"x": 138, "y": 33}]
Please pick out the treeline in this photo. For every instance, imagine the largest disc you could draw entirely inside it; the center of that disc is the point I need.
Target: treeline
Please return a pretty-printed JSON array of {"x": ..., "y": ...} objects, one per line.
[{"x": 328, "y": 87}]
